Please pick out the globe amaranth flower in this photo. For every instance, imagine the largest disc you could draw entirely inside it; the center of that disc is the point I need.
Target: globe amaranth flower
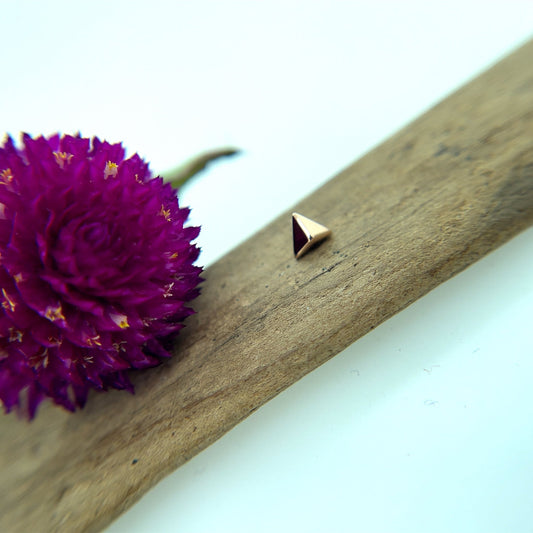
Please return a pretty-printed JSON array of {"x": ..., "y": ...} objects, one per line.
[{"x": 96, "y": 268}]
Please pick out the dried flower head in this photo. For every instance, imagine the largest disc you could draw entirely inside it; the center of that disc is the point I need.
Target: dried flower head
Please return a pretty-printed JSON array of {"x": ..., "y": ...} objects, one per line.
[{"x": 96, "y": 268}]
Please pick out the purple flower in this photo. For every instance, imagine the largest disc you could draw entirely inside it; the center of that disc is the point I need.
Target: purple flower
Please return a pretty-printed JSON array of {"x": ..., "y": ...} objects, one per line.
[{"x": 96, "y": 267}]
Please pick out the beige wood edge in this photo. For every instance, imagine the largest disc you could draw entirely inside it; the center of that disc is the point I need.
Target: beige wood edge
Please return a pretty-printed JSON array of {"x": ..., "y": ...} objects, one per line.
[{"x": 428, "y": 202}]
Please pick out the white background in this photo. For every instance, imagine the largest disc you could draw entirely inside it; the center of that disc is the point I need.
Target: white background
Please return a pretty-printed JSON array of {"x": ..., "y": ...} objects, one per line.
[{"x": 424, "y": 425}]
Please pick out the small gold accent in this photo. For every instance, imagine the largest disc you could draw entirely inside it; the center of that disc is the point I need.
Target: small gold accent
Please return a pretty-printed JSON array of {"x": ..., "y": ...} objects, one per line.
[
  {"x": 15, "y": 335},
  {"x": 6, "y": 176},
  {"x": 54, "y": 313},
  {"x": 8, "y": 302},
  {"x": 62, "y": 158},
  {"x": 306, "y": 233},
  {"x": 111, "y": 169},
  {"x": 165, "y": 213},
  {"x": 174, "y": 255},
  {"x": 120, "y": 320},
  {"x": 119, "y": 346},
  {"x": 94, "y": 341},
  {"x": 168, "y": 290},
  {"x": 40, "y": 359},
  {"x": 18, "y": 277},
  {"x": 147, "y": 321}
]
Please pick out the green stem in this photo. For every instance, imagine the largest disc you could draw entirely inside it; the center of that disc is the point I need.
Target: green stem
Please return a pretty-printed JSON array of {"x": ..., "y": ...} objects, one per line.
[{"x": 181, "y": 175}]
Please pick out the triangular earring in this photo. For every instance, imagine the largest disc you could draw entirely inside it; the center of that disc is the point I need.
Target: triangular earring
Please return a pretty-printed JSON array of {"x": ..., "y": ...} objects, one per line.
[{"x": 306, "y": 233}]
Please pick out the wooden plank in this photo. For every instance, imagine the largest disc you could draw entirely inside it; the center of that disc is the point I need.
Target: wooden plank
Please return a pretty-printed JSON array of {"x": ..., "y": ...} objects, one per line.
[{"x": 421, "y": 207}]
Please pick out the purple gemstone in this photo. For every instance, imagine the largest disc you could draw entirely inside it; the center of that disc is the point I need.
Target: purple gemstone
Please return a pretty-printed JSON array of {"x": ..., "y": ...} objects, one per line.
[{"x": 300, "y": 239}]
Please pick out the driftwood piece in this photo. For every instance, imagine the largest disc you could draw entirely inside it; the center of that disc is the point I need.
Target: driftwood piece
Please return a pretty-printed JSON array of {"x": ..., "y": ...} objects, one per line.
[{"x": 421, "y": 207}]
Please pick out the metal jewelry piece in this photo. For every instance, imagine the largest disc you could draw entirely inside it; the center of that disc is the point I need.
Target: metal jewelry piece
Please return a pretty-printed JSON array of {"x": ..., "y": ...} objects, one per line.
[{"x": 306, "y": 233}]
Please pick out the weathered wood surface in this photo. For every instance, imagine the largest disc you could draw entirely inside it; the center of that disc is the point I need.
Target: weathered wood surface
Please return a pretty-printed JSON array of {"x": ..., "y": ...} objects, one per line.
[{"x": 428, "y": 202}]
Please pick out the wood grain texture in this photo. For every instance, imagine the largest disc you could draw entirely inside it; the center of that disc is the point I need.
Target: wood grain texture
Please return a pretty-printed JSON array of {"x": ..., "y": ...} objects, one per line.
[{"x": 421, "y": 207}]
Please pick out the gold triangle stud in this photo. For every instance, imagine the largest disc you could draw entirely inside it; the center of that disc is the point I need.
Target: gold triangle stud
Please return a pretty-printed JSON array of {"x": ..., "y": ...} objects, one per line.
[{"x": 306, "y": 234}]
